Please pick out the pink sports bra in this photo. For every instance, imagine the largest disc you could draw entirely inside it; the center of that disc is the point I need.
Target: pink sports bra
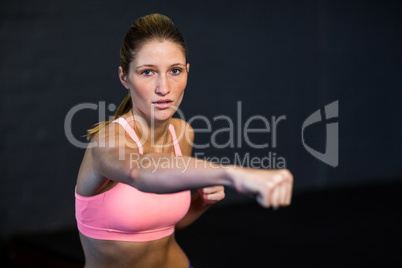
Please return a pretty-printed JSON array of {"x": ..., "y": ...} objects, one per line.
[{"x": 124, "y": 213}]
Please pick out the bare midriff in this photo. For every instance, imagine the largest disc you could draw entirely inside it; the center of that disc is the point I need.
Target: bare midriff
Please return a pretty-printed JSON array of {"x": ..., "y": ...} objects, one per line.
[{"x": 161, "y": 253}]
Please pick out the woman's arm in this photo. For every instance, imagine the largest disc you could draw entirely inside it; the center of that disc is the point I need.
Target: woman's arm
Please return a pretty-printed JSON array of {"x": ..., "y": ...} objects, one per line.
[
  {"x": 201, "y": 202},
  {"x": 205, "y": 197},
  {"x": 117, "y": 158},
  {"x": 271, "y": 187}
]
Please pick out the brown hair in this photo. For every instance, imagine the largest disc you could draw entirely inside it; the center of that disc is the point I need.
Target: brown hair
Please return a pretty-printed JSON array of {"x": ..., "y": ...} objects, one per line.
[{"x": 143, "y": 30}]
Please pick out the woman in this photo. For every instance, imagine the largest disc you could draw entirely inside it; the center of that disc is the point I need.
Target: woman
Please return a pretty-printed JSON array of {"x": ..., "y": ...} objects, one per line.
[{"x": 133, "y": 185}]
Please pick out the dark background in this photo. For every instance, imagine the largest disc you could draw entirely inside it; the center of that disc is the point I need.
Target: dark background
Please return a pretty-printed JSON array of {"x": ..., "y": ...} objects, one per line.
[{"x": 276, "y": 57}]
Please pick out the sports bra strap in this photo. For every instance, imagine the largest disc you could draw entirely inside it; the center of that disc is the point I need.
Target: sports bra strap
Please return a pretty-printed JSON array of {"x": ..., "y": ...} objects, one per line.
[
  {"x": 130, "y": 131},
  {"x": 175, "y": 141}
]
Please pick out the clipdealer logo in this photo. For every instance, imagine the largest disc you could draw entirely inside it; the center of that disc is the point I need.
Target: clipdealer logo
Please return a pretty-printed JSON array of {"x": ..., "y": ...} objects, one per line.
[
  {"x": 238, "y": 133},
  {"x": 331, "y": 154}
]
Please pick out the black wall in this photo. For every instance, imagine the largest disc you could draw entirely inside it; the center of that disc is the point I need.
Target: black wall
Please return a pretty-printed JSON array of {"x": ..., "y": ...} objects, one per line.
[{"x": 277, "y": 57}]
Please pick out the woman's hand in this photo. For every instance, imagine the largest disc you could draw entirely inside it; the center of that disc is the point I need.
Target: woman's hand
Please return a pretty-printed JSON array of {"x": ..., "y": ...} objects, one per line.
[
  {"x": 211, "y": 195},
  {"x": 272, "y": 188}
]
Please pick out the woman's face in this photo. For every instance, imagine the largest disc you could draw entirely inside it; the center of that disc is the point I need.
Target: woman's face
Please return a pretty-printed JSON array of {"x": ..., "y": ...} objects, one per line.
[{"x": 156, "y": 79}]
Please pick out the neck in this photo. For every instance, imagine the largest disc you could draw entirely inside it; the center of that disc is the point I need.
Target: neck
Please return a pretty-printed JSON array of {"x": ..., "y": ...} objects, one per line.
[{"x": 151, "y": 132}]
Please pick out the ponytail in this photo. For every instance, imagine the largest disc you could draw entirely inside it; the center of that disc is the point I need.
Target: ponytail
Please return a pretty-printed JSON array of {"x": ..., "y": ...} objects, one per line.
[
  {"x": 123, "y": 108},
  {"x": 144, "y": 29}
]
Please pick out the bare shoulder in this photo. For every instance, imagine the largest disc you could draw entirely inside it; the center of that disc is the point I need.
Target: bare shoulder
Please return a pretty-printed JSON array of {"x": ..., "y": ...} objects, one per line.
[
  {"x": 88, "y": 180},
  {"x": 185, "y": 135},
  {"x": 111, "y": 136},
  {"x": 102, "y": 145}
]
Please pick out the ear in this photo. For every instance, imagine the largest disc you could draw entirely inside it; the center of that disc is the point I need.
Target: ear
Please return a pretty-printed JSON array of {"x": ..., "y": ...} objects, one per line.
[
  {"x": 123, "y": 78},
  {"x": 188, "y": 67}
]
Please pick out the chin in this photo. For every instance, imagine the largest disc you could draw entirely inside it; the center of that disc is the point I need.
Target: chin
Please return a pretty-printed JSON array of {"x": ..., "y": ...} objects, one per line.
[{"x": 163, "y": 115}]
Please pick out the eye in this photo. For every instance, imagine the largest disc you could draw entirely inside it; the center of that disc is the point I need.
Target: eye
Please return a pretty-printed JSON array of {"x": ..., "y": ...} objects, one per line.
[
  {"x": 147, "y": 72},
  {"x": 176, "y": 71}
]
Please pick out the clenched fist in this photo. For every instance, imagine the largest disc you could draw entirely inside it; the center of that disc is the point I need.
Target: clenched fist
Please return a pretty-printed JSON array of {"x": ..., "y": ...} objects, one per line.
[
  {"x": 211, "y": 195},
  {"x": 272, "y": 188}
]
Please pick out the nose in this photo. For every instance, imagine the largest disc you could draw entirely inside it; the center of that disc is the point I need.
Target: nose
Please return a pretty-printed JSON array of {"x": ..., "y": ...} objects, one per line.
[{"x": 163, "y": 86}]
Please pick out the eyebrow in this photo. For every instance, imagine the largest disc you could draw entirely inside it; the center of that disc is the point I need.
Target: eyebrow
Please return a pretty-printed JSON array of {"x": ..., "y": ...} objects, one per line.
[{"x": 151, "y": 65}]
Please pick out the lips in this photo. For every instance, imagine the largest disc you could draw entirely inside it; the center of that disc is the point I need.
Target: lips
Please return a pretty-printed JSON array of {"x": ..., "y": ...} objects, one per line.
[{"x": 162, "y": 104}]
